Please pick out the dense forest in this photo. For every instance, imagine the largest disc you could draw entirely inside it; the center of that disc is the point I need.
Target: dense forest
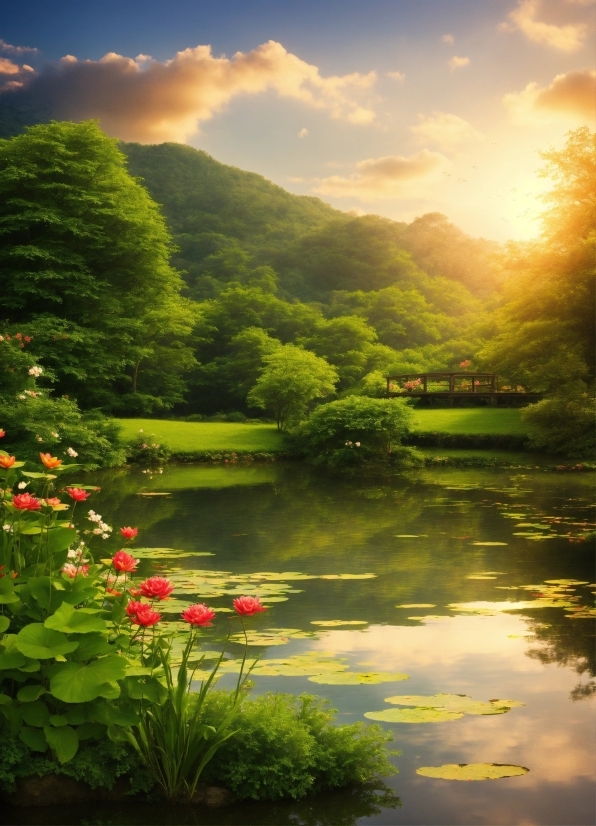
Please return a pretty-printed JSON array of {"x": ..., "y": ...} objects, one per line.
[{"x": 154, "y": 279}]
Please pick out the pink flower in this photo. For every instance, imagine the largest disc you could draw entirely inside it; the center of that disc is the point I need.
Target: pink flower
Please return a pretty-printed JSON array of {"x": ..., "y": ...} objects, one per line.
[
  {"x": 465, "y": 363},
  {"x": 133, "y": 607},
  {"x": 7, "y": 461},
  {"x": 26, "y": 502},
  {"x": 247, "y": 606},
  {"x": 124, "y": 562},
  {"x": 156, "y": 587},
  {"x": 78, "y": 494},
  {"x": 129, "y": 533},
  {"x": 198, "y": 614},
  {"x": 146, "y": 616},
  {"x": 74, "y": 570},
  {"x": 53, "y": 501}
]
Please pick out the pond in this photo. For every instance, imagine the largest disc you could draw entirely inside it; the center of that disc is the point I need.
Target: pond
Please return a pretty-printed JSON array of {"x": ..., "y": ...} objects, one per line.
[{"x": 468, "y": 582}]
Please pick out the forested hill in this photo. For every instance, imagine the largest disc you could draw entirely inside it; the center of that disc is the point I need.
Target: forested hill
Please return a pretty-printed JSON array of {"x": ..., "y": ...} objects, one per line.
[{"x": 229, "y": 224}]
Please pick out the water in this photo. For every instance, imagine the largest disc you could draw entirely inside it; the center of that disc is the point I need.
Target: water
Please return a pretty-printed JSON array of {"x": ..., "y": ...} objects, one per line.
[{"x": 419, "y": 535}]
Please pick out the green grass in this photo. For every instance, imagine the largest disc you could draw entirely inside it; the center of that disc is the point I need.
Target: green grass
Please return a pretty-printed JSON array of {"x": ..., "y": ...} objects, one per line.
[
  {"x": 206, "y": 436},
  {"x": 470, "y": 421}
]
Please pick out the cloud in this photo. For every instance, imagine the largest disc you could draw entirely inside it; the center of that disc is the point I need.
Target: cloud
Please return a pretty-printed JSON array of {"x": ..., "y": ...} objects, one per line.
[
  {"x": 7, "y": 67},
  {"x": 448, "y": 38},
  {"x": 396, "y": 75},
  {"x": 458, "y": 62},
  {"x": 7, "y": 47},
  {"x": 303, "y": 133},
  {"x": 573, "y": 93},
  {"x": 445, "y": 130},
  {"x": 567, "y": 38},
  {"x": 148, "y": 101},
  {"x": 387, "y": 177}
]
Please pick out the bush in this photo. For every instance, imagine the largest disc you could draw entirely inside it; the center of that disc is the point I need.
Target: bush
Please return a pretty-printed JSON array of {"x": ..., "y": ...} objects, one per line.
[
  {"x": 354, "y": 430},
  {"x": 144, "y": 450},
  {"x": 564, "y": 424},
  {"x": 287, "y": 746}
]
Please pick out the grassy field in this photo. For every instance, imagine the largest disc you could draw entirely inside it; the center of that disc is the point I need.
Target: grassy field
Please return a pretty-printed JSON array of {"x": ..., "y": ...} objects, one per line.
[
  {"x": 473, "y": 421},
  {"x": 207, "y": 436}
]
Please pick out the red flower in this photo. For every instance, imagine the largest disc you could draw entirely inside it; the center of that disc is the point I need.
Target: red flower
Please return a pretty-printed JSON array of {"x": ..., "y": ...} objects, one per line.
[
  {"x": 53, "y": 501},
  {"x": 124, "y": 562},
  {"x": 198, "y": 614},
  {"x": 129, "y": 533},
  {"x": 78, "y": 494},
  {"x": 134, "y": 592},
  {"x": 246, "y": 606},
  {"x": 26, "y": 502},
  {"x": 146, "y": 616},
  {"x": 156, "y": 587},
  {"x": 7, "y": 461},
  {"x": 132, "y": 607},
  {"x": 50, "y": 462},
  {"x": 73, "y": 570},
  {"x": 2, "y": 433},
  {"x": 113, "y": 592}
]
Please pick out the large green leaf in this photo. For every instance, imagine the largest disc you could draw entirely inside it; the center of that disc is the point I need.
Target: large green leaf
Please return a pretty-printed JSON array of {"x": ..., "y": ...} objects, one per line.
[
  {"x": 7, "y": 594},
  {"x": 59, "y": 539},
  {"x": 42, "y": 643},
  {"x": 64, "y": 741},
  {"x": 93, "y": 645},
  {"x": 35, "y": 714},
  {"x": 11, "y": 659},
  {"x": 78, "y": 683},
  {"x": 4, "y": 623},
  {"x": 75, "y": 620},
  {"x": 34, "y": 738},
  {"x": 30, "y": 693}
]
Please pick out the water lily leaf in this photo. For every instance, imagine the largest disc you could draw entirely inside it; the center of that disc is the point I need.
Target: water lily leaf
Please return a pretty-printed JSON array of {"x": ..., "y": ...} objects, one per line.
[
  {"x": 348, "y": 576},
  {"x": 565, "y": 582},
  {"x": 63, "y": 741},
  {"x": 417, "y": 605},
  {"x": 154, "y": 493},
  {"x": 272, "y": 636},
  {"x": 34, "y": 738},
  {"x": 407, "y": 535},
  {"x": 489, "y": 543},
  {"x": 454, "y": 702},
  {"x": 285, "y": 575},
  {"x": 298, "y": 665},
  {"x": 42, "y": 643},
  {"x": 431, "y": 617},
  {"x": 164, "y": 553},
  {"x": 75, "y": 620},
  {"x": 77, "y": 683},
  {"x": 479, "y": 576},
  {"x": 472, "y": 771},
  {"x": 357, "y": 678},
  {"x": 414, "y": 715},
  {"x": 332, "y": 623}
]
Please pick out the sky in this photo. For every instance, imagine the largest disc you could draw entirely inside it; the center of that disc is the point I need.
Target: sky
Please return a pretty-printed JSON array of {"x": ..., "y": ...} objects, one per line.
[{"x": 391, "y": 107}]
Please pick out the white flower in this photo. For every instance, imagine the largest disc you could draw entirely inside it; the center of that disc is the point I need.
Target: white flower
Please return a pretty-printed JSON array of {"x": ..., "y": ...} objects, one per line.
[
  {"x": 7, "y": 528},
  {"x": 94, "y": 517},
  {"x": 22, "y": 397},
  {"x": 55, "y": 435},
  {"x": 104, "y": 528},
  {"x": 36, "y": 370},
  {"x": 1, "y": 338},
  {"x": 22, "y": 485},
  {"x": 71, "y": 452},
  {"x": 357, "y": 444},
  {"x": 97, "y": 531},
  {"x": 105, "y": 536},
  {"x": 39, "y": 439},
  {"x": 72, "y": 554}
]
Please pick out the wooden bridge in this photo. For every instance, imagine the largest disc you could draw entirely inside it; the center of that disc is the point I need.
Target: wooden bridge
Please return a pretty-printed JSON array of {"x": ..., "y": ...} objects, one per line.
[{"x": 454, "y": 387}]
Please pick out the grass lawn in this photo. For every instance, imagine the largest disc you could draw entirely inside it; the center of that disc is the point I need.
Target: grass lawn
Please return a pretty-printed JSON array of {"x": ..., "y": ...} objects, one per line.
[
  {"x": 207, "y": 436},
  {"x": 471, "y": 420}
]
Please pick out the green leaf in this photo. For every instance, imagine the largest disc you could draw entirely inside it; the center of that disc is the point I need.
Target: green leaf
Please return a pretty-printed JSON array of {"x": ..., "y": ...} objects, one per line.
[
  {"x": 4, "y": 624},
  {"x": 77, "y": 683},
  {"x": 91, "y": 731},
  {"x": 30, "y": 693},
  {"x": 35, "y": 714},
  {"x": 75, "y": 620},
  {"x": 40, "y": 588},
  {"x": 42, "y": 643},
  {"x": 58, "y": 720},
  {"x": 11, "y": 659},
  {"x": 472, "y": 771},
  {"x": 93, "y": 645},
  {"x": 59, "y": 539},
  {"x": 34, "y": 738},
  {"x": 414, "y": 715},
  {"x": 64, "y": 741},
  {"x": 7, "y": 594},
  {"x": 357, "y": 678}
]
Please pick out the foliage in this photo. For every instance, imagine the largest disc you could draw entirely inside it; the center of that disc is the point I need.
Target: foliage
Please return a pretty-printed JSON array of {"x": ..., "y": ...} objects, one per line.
[
  {"x": 185, "y": 437},
  {"x": 564, "y": 423},
  {"x": 145, "y": 450},
  {"x": 84, "y": 252},
  {"x": 287, "y": 746},
  {"x": 354, "y": 430},
  {"x": 292, "y": 378},
  {"x": 98, "y": 763}
]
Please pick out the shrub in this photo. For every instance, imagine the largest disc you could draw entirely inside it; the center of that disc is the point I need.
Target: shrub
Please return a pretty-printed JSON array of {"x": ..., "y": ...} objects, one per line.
[
  {"x": 564, "y": 424},
  {"x": 355, "y": 430},
  {"x": 287, "y": 746},
  {"x": 145, "y": 450}
]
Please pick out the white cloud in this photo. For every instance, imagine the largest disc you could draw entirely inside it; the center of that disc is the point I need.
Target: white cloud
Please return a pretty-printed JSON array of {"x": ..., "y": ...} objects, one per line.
[
  {"x": 7, "y": 47},
  {"x": 303, "y": 133},
  {"x": 458, "y": 62},
  {"x": 448, "y": 38},
  {"x": 148, "y": 101},
  {"x": 573, "y": 94},
  {"x": 387, "y": 177},
  {"x": 396, "y": 75},
  {"x": 7, "y": 67},
  {"x": 445, "y": 130},
  {"x": 566, "y": 38}
]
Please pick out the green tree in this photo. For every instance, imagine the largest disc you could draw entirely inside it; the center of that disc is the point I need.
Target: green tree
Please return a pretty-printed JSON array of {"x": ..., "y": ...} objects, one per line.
[
  {"x": 291, "y": 380},
  {"x": 85, "y": 258}
]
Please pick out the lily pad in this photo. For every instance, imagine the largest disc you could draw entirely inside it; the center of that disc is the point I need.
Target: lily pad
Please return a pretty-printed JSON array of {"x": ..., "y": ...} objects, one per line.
[
  {"x": 417, "y": 605},
  {"x": 272, "y": 636},
  {"x": 332, "y": 623},
  {"x": 489, "y": 543},
  {"x": 455, "y": 702},
  {"x": 430, "y": 617},
  {"x": 357, "y": 678},
  {"x": 480, "y": 576},
  {"x": 565, "y": 582},
  {"x": 348, "y": 576},
  {"x": 154, "y": 493},
  {"x": 472, "y": 771},
  {"x": 414, "y": 715},
  {"x": 407, "y": 535}
]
